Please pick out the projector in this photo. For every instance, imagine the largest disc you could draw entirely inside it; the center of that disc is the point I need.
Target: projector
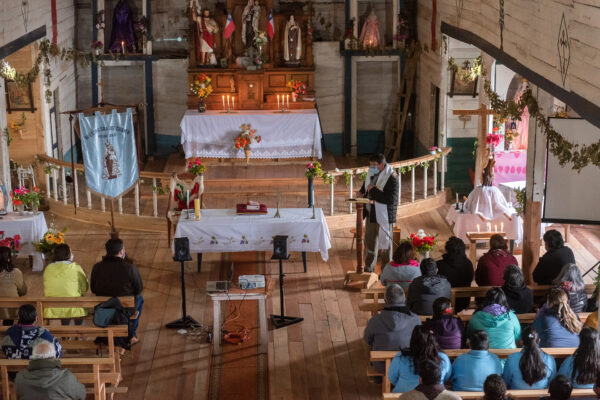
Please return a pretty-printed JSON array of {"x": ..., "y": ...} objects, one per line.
[{"x": 251, "y": 281}]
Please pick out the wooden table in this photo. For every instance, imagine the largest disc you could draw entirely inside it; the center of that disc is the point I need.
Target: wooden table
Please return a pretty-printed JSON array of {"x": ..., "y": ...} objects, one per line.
[{"x": 474, "y": 237}]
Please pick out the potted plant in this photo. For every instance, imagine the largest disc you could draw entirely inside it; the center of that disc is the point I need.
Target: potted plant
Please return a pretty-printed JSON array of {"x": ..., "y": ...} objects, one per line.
[
  {"x": 201, "y": 87},
  {"x": 246, "y": 137}
]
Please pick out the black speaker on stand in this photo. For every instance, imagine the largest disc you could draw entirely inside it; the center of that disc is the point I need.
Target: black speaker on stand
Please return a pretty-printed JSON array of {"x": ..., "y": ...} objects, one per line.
[
  {"x": 182, "y": 254},
  {"x": 280, "y": 253}
]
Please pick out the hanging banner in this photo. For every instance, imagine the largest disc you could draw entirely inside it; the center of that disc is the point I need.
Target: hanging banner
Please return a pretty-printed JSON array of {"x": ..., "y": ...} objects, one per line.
[{"x": 109, "y": 152}]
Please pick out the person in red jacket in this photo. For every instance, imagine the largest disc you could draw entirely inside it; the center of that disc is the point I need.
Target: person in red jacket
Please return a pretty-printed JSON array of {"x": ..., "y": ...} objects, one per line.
[{"x": 490, "y": 268}]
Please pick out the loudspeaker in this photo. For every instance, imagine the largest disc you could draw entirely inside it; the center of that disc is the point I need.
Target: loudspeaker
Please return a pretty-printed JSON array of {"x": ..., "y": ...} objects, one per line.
[
  {"x": 280, "y": 251},
  {"x": 182, "y": 249}
]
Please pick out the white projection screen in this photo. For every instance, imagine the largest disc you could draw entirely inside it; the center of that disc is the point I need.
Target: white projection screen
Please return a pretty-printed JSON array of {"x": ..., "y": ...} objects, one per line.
[{"x": 572, "y": 197}]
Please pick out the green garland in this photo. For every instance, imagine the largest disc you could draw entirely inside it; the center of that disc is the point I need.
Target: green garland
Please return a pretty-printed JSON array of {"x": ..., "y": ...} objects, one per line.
[{"x": 466, "y": 74}]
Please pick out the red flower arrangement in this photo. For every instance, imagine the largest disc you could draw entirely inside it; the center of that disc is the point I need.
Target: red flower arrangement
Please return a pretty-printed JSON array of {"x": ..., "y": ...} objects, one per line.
[
  {"x": 14, "y": 243},
  {"x": 196, "y": 167},
  {"x": 19, "y": 195},
  {"x": 246, "y": 137},
  {"x": 297, "y": 87},
  {"x": 493, "y": 138},
  {"x": 423, "y": 243}
]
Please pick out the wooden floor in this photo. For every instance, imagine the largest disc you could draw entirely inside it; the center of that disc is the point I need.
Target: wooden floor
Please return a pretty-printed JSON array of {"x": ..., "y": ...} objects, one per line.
[{"x": 324, "y": 357}]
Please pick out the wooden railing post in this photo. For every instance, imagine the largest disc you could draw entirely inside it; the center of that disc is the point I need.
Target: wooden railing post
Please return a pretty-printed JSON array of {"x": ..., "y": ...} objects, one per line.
[
  {"x": 55, "y": 184},
  {"x": 332, "y": 193},
  {"x": 76, "y": 183},
  {"x": 425, "y": 181},
  {"x": 154, "y": 198},
  {"x": 351, "y": 190},
  {"x": 63, "y": 176},
  {"x": 137, "y": 198},
  {"x": 48, "y": 188},
  {"x": 443, "y": 174},
  {"x": 88, "y": 194},
  {"x": 120, "y": 202},
  {"x": 399, "y": 185},
  {"x": 412, "y": 184},
  {"x": 103, "y": 204}
]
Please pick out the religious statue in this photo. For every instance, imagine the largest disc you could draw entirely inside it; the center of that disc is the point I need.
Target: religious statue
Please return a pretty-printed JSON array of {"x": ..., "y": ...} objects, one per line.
[
  {"x": 250, "y": 20},
  {"x": 111, "y": 168},
  {"x": 292, "y": 42},
  {"x": 369, "y": 35},
  {"x": 206, "y": 28},
  {"x": 122, "y": 37}
]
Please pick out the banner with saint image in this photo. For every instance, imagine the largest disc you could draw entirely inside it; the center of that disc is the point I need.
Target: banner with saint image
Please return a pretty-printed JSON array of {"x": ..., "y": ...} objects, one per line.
[{"x": 109, "y": 152}]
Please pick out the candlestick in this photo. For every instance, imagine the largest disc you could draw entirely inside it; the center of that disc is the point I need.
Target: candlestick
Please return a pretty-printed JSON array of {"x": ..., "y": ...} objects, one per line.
[
  {"x": 495, "y": 228},
  {"x": 478, "y": 228},
  {"x": 123, "y": 47},
  {"x": 232, "y": 103},
  {"x": 187, "y": 209},
  {"x": 489, "y": 227},
  {"x": 501, "y": 226},
  {"x": 223, "y": 102},
  {"x": 197, "y": 208},
  {"x": 277, "y": 102},
  {"x": 288, "y": 101},
  {"x": 228, "y": 103},
  {"x": 456, "y": 198}
]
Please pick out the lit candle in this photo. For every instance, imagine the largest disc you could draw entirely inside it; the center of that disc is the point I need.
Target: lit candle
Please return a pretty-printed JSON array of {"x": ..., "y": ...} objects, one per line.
[
  {"x": 456, "y": 198},
  {"x": 495, "y": 228},
  {"x": 288, "y": 100},
  {"x": 123, "y": 47},
  {"x": 277, "y": 102},
  {"x": 197, "y": 208},
  {"x": 501, "y": 226},
  {"x": 227, "y": 102},
  {"x": 478, "y": 228},
  {"x": 232, "y": 103},
  {"x": 223, "y": 102},
  {"x": 188, "y": 199},
  {"x": 489, "y": 227}
]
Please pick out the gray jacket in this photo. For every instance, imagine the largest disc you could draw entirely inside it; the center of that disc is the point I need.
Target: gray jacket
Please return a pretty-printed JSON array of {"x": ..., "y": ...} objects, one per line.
[{"x": 45, "y": 379}]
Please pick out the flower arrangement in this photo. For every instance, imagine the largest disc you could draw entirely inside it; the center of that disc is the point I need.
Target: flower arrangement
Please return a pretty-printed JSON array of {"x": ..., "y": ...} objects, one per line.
[
  {"x": 201, "y": 86},
  {"x": 34, "y": 197},
  {"x": 18, "y": 126},
  {"x": 260, "y": 38},
  {"x": 423, "y": 243},
  {"x": 510, "y": 135},
  {"x": 246, "y": 137},
  {"x": 20, "y": 195},
  {"x": 196, "y": 167},
  {"x": 493, "y": 139},
  {"x": 314, "y": 170},
  {"x": 100, "y": 20},
  {"x": 51, "y": 239},
  {"x": 7, "y": 72},
  {"x": 97, "y": 45},
  {"x": 14, "y": 243},
  {"x": 297, "y": 87}
]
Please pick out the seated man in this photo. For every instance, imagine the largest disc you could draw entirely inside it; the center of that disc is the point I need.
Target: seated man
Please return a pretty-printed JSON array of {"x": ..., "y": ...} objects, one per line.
[
  {"x": 19, "y": 339},
  {"x": 470, "y": 370},
  {"x": 425, "y": 289},
  {"x": 45, "y": 379},
  {"x": 392, "y": 328},
  {"x": 114, "y": 277},
  {"x": 429, "y": 387}
]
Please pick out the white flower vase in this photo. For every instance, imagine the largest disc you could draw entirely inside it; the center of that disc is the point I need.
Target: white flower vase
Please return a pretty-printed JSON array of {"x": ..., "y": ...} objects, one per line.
[
  {"x": 21, "y": 209},
  {"x": 423, "y": 256}
]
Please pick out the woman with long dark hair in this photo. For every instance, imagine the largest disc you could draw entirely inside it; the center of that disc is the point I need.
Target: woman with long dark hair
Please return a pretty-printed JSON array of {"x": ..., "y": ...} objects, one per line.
[
  {"x": 447, "y": 329},
  {"x": 518, "y": 296},
  {"x": 531, "y": 368},
  {"x": 571, "y": 281},
  {"x": 583, "y": 366},
  {"x": 403, "y": 372},
  {"x": 12, "y": 283},
  {"x": 496, "y": 318},
  {"x": 457, "y": 268},
  {"x": 556, "y": 323}
]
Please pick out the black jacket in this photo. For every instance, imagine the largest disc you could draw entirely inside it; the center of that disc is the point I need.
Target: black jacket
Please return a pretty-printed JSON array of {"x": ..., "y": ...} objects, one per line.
[
  {"x": 389, "y": 197},
  {"x": 550, "y": 265},
  {"x": 423, "y": 291},
  {"x": 458, "y": 269},
  {"x": 114, "y": 277},
  {"x": 520, "y": 299},
  {"x": 577, "y": 300}
]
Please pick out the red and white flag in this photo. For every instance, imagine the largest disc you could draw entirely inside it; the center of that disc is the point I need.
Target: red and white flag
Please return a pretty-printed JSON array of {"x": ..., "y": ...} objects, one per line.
[
  {"x": 271, "y": 26},
  {"x": 229, "y": 26}
]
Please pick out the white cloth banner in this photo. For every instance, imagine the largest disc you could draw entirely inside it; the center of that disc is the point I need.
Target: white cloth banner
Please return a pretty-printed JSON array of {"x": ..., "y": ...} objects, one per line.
[
  {"x": 223, "y": 231},
  {"x": 31, "y": 228},
  {"x": 295, "y": 134}
]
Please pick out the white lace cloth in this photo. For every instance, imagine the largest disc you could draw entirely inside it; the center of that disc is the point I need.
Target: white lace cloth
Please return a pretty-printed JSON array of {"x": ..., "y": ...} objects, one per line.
[
  {"x": 31, "y": 228},
  {"x": 223, "y": 231},
  {"x": 295, "y": 134}
]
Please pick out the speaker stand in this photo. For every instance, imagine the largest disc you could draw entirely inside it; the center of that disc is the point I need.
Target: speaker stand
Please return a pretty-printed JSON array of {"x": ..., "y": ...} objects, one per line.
[
  {"x": 280, "y": 321},
  {"x": 185, "y": 321}
]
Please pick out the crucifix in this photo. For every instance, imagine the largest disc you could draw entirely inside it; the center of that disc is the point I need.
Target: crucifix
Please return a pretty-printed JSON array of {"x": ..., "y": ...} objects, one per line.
[{"x": 483, "y": 111}]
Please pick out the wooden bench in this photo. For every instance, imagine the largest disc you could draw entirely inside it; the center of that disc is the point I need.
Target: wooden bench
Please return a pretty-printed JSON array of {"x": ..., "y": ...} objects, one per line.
[
  {"x": 387, "y": 356},
  {"x": 516, "y": 394},
  {"x": 97, "y": 379}
]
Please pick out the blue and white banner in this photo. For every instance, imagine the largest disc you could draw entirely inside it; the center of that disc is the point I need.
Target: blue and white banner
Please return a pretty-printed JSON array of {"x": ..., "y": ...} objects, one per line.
[{"x": 109, "y": 152}]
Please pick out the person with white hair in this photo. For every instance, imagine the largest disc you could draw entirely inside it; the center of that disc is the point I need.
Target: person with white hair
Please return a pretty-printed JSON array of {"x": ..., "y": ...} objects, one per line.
[{"x": 44, "y": 377}]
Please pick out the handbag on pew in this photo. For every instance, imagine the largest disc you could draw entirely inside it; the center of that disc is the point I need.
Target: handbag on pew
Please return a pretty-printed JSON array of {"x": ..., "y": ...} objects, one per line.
[{"x": 112, "y": 312}]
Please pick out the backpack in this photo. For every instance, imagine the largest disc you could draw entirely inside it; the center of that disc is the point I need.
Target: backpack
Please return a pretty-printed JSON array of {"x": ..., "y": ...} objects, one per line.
[{"x": 112, "y": 312}]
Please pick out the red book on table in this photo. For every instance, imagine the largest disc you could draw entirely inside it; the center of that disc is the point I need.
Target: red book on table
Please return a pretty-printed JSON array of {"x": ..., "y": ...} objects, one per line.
[{"x": 243, "y": 209}]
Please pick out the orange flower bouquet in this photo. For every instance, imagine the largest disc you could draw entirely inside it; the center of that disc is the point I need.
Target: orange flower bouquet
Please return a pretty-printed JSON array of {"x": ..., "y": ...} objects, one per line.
[
  {"x": 246, "y": 137},
  {"x": 51, "y": 239}
]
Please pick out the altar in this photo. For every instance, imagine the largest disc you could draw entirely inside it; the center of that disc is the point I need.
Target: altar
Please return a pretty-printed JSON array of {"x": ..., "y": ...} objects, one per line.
[
  {"x": 295, "y": 134},
  {"x": 465, "y": 222},
  {"x": 31, "y": 228}
]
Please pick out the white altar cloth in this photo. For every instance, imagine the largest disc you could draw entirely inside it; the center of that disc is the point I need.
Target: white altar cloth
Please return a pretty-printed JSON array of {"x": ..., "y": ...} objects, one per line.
[
  {"x": 465, "y": 222},
  {"x": 31, "y": 228},
  {"x": 508, "y": 190},
  {"x": 296, "y": 134},
  {"x": 223, "y": 231}
]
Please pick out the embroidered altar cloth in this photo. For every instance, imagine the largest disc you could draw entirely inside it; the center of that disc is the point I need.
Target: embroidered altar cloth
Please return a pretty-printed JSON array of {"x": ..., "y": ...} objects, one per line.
[{"x": 295, "y": 134}]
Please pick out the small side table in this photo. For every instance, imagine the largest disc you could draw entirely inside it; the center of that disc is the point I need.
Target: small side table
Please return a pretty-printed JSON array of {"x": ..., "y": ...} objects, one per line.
[{"x": 475, "y": 237}]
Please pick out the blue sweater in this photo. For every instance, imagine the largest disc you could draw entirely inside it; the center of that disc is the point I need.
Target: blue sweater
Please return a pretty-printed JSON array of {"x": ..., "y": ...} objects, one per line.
[
  {"x": 552, "y": 332},
  {"x": 566, "y": 369},
  {"x": 470, "y": 370},
  {"x": 402, "y": 372},
  {"x": 514, "y": 378}
]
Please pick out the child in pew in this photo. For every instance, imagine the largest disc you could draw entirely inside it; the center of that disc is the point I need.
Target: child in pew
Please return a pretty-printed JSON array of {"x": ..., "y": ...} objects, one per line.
[
  {"x": 560, "y": 389},
  {"x": 583, "y": 366},
  {"x": 494, "y": 388},
  {"x": 429, "y": 387},
  {"x": 448, "y": 329},
  {"x": 19, "y": 339},
  {"x": 470, "y": 370}
]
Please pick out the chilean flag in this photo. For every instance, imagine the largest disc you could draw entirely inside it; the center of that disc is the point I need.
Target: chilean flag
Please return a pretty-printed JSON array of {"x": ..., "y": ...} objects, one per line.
[
  {"x": 229, "y": 26},
  {"x": 271, "y": 26}
]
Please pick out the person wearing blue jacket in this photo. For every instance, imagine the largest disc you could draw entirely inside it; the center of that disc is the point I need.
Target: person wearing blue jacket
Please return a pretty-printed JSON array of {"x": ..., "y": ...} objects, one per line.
[
  {"x": 556, "y": 323},
  {"x": 495, "y": 317},
  {"x": 531, "y": 368},
  {"x": 403, "y": 373},
  {"x": 581, "y": 368},
  {"x": 470, "y": 370}
]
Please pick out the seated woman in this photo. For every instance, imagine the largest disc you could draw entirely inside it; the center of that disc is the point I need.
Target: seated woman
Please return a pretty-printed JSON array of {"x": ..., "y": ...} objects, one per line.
[
  {"x": 448, "y": 330},
  {"x": 12, "y": 284},
  {"x": 530, "y": 368},
  {"x": 518, "y": 296},
  {"x": 491, "y": 266},
  {"x": 557, "y": 255},
  {"x": 556, "y": 323},
  {"x": 496, "y": 318},
  {"x": 457, "y": 268},
  {"x": 571, "y": 281},
  {"x": 403, "y": 373},
  {"x": 581, "y": 368},
  {"x": 403, "y": 268}
]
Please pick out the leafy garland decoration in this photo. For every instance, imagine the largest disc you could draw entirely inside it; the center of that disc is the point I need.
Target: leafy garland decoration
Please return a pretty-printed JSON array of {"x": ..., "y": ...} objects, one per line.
[{"x": 468, "y": 74}]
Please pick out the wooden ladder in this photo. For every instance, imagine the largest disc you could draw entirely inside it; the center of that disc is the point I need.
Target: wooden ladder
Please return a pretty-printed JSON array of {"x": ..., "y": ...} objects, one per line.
[{"x": 393, "y": 136}]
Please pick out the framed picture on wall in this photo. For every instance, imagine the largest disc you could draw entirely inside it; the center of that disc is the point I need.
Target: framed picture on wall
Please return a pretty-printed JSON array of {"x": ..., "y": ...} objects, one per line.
[
  {"x": 18, "y": 97},
  {"x": 459, "y": 87}
]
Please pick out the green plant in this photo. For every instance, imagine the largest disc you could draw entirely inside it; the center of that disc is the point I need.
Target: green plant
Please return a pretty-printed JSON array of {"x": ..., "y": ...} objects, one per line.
[
  {"x": 7, "y": 136},
  {"x": 347, "y": 177},
  {"x": 521, "y": 197},
  {"x": 160, "y": 190},
  {"x": 363, "y": 176},
  {"x": 474, "y": 152},
  {"x": 48, "y": 168}
]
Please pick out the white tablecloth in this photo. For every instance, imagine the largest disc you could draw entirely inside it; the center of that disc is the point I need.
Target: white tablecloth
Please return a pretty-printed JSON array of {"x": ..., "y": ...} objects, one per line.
[
  {"x": 465, "y": 222},
  {"x": 222, "y": 231},
  {"x": 291, "y": 135},
  {"x": 508, "y": 190},
  {"x": 31, "y": 228}
]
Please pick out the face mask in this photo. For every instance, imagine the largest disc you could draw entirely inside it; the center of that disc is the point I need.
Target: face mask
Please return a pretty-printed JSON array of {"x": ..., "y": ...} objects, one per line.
[{"x": 373, "y": 170}]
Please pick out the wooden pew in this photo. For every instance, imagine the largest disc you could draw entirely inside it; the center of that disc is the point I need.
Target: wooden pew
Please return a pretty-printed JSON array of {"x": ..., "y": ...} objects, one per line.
[
  {"x": 516, "y": 394},
  {"x": 387, "y": 356}
]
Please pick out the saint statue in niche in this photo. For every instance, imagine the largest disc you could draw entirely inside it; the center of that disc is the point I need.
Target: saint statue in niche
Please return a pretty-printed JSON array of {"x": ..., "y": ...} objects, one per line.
[
  {"x": 206, "y": 28},
  {"x": 122, "y": 37},
  {"x": 111, "y": 168},
  {"x": 369, "y": 35},
  {"x": 250, "y": 20},
  {"x": 292, "y": 42}
]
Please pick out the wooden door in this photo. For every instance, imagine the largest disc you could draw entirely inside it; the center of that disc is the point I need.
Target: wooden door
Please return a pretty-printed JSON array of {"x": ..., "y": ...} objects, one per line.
[{"x": 250, "y": 87}]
